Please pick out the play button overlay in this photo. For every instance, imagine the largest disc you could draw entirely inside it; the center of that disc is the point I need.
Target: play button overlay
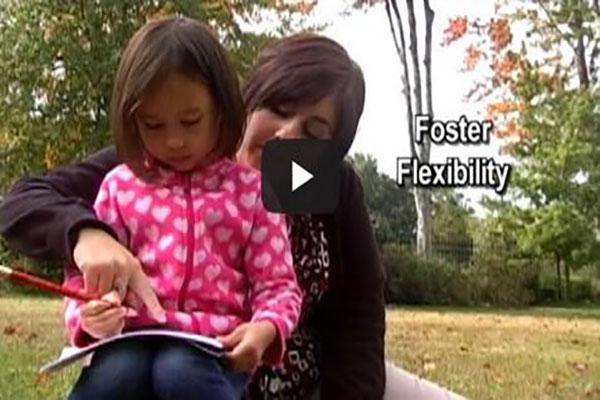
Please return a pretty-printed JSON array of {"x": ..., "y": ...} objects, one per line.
[{"x": 300, "y": 176}]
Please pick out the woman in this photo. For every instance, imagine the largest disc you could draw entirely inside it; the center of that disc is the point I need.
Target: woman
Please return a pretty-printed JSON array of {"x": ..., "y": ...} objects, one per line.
[{"x": 304, "y": 86}]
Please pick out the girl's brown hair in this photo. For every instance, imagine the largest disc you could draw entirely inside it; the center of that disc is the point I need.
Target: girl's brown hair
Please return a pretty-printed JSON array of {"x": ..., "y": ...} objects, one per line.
[
  {"x": 302, "y": 69},
  {"x": 161, "y": 47}
]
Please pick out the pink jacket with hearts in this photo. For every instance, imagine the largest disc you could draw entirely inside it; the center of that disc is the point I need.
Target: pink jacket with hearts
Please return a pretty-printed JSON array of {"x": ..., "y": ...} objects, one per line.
[{"x": 215, "y": 257}]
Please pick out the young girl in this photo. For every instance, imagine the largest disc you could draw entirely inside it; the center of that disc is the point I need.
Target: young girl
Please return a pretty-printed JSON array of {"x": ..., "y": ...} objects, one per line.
[{"x": 219, "y": 263}]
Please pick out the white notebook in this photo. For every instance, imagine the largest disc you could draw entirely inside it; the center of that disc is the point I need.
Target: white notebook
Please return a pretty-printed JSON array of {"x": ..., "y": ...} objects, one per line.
[{"x": 71, "y": 354}]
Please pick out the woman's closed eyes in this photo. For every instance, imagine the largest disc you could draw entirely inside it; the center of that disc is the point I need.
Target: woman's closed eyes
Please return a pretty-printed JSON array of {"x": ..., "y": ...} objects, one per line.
[{"x": 315, "y": 127}]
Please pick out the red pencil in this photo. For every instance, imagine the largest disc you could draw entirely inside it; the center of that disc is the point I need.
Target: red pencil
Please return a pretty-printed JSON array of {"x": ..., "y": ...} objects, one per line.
[{"x": 30, "y": 280}]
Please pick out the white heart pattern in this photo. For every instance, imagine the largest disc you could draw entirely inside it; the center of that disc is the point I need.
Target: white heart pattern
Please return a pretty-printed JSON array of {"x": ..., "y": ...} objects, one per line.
[
  {"x": 239, "y": 298},
  {"x": 143, "y": 205},
  {"x": 165, "y": 242},
  {"x": 262, "y": 261},
  {"x": 246, "y": 228},
  {"x": 199, "y": 229},
  {"x": 213, "y": 216},
  {"x": 195, "y": 284},
  {"x": 125, "y": 174},
  {"x": 233, "y": 251},
  {"x": 199, "y": 257},
  {"x": 112, "y": 186},
  {"x": 152, "y": 233},
  {"x": 147, "y": 257},
  {"x": 247, "y": 177},
  {"x": 162, "y": 193},
  {"x": 102, "y": 195},
  {"x": 215, "y": 195},
  {"x": 219, "y": 322},
  {"x": 124, "y": 198},
  {"x": 280, "y": 271},
  {"x": 198, "y": 203},
  {"x": 223, "y": 234},
  {"x": 111, "y": 215},
  {"x": 277, "y": 244},
  {"x": 223, "y": 286},
  {"x": 160, "y": 214},
  {"x": 168, "y": 271},
  {"x": 180, "y": 225},
  {"x": 212, "y": 271},
  {"x": 211, "y": 183},
  {"x": 180, "y": 201},
  {"x": 179, "y": 253},
  {"x": 133, "y": 225},
  {"x": 208, "y": 244},
  {"x": 178, "y": 191},
  {"x": 274, "y": 218},
  {"x": 183, "y": 318},
  {"x": 231, "y": 209},
  {"x": 248, "y": 199},
  {"x": 229, "y": 186},
  {"x": 259, "y": 235}
]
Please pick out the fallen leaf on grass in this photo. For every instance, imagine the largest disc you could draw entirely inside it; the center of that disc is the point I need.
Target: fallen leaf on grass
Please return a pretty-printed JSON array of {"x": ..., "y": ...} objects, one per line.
[
  {"x": 428, "y": 367},
  {"x": 10, "y": 329},
  {"x": 552, "y": 380},
  {"x": 579, "y": 366},
  {"x": 591, "y": 391}
]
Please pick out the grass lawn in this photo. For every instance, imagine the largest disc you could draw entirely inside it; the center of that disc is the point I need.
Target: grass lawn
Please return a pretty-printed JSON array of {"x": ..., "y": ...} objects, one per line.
[{"x": 538, "y": 353}]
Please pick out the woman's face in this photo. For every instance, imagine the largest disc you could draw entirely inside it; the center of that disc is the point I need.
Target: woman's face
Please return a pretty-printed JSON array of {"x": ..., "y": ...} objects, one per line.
[{"x": 313, "y": 121}]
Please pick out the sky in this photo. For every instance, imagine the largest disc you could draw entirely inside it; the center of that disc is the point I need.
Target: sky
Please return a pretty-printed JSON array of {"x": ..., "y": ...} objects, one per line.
[{"x": 383, "y": 127}]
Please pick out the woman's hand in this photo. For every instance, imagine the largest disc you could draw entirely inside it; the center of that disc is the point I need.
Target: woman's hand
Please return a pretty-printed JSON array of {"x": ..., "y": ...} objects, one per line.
[
  {"x": 106, "y": 264},
  {"x": 247, "y": 343},
  {"x": 103, "y": 318}
]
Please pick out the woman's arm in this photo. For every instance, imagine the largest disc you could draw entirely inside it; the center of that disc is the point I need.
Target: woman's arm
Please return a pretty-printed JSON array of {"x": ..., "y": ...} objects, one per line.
[
  {"x": 353, "y": 350},
  {"x": 41, "y": 216},
  {"x": 53, "y": 217}
]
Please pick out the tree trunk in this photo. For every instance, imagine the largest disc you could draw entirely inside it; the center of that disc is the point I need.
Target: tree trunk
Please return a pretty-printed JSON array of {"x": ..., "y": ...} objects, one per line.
[
  {"x": 567, "y": 282},
  {"x": 580, "y": 60},
  {"x": 401, "y": 51},
  {"x": 429, "y": 15},
  {"x": 559, "y": 285},
  {"x": 421, "y": 151},
  {"x": 424, "y": 225}
]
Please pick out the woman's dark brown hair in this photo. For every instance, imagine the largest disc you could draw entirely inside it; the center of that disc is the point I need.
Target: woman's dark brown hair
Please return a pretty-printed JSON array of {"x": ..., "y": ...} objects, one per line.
[
  {"x": 161, "y": 47},
  {"x": 302, "y": 69}
]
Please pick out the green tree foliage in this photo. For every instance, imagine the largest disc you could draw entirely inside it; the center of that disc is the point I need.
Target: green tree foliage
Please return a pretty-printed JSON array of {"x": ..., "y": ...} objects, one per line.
[
  {"x": 452, "y": 221},
  {"x": 58, "y": 59},
  {"x": 391, "y": 208},
  {"x": 544, "y": 100}
]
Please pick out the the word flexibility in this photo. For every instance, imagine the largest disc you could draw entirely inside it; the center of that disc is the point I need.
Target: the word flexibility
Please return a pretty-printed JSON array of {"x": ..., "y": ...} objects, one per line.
[{"x": 476, "y": 172}]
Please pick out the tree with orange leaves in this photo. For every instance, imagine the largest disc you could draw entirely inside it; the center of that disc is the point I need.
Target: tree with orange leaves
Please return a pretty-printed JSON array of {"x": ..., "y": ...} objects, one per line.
[{"x": 539, "y": 87}]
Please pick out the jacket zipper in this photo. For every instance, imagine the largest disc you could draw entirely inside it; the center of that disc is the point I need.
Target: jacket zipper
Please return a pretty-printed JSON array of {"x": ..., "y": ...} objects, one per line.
[{"x": 189, "y": 259}]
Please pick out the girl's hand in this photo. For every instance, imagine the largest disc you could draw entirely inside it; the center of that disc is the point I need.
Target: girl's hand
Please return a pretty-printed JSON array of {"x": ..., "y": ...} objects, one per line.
[
  {"x": 247, "y": 343},
  {"x": 103, "y": 318},
  {"x": 107, "y": 265}
]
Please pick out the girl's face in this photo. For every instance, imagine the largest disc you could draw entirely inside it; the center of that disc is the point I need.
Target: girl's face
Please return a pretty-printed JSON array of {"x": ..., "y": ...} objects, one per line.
[
  {"x": 314, "y": 121},
  {"x": 178, "y": 122}
]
